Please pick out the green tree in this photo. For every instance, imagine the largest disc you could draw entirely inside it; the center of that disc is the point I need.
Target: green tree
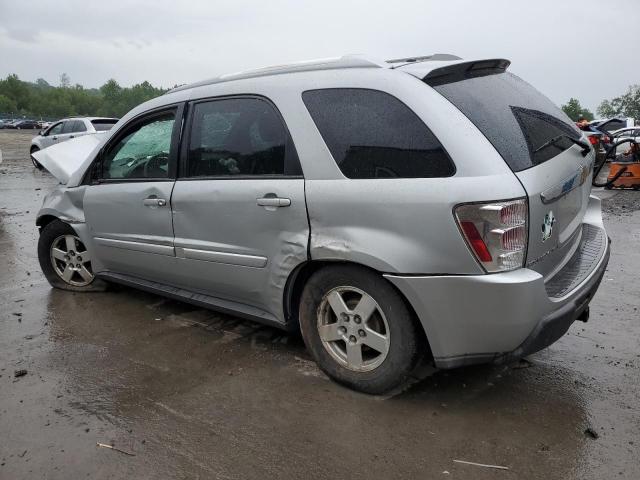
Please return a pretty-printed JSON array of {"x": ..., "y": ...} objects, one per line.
[
  {"x": 7, "y": 105},
  {"x": 17, "y": 90},
  {"x": 606, "y": 109},
  {"x": 40, "y": 99},
  {"x": 574, "y": 110},
  {"x": 65, "y": 81},
  {"x": 626, "y": 105}
]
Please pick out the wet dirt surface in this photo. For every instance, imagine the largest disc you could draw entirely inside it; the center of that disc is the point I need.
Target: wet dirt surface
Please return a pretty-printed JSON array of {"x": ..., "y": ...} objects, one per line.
[{"x": 196, "y": 394}]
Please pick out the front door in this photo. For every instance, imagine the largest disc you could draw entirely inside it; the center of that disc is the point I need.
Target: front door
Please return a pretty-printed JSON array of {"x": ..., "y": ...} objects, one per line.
[
  {"x": 239, "y": 211},
  {"x": 52, "y": 135},
  {"x": 127, "y": 206}
]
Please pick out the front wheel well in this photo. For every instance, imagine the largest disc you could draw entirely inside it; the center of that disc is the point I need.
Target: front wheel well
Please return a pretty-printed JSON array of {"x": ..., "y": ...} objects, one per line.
[
  {"x": 298, "y": 279},
  {"x": 34, "y": 148},
  {"x": 45, "y": 220}
]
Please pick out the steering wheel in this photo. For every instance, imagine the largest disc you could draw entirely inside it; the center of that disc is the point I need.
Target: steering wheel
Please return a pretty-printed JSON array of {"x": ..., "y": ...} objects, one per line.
[{"x": 155, "y": 163}]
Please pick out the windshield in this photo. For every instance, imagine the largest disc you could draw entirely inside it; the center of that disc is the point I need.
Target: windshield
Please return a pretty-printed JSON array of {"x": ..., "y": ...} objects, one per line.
[{"x": 516, "y": 118}]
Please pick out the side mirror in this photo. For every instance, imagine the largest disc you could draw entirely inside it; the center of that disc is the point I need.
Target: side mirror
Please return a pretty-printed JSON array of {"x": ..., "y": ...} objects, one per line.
[{"x": 41, "y": 132}]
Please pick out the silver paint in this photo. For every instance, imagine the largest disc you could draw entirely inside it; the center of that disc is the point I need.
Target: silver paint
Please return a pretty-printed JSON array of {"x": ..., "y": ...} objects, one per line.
[{"x": 216, "y": 234}]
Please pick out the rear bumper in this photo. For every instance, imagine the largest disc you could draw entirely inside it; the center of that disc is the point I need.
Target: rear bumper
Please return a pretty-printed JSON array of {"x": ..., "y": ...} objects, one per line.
[
  {"x": 495, "y": 318},
  {"x": 556, "y": 324}
]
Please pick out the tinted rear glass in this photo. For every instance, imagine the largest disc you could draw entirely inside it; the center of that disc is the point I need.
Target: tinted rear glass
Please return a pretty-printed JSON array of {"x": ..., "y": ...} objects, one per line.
[
  {"x": 79, "y": 126},
  {"x": 103, "y": 125},
  {"x": 372, "y": 134},
  {"x": 518, "y": 120},
  {"x": 237, "y": 136}
]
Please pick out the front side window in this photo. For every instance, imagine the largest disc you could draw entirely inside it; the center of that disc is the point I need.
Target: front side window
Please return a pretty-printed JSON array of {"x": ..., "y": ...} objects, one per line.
[
  {"x": 372, "y": 134},
  {"x": 142, "y": 151},
  {"x": 236, "y": 137},
  {"x": 56, "y": 129}
]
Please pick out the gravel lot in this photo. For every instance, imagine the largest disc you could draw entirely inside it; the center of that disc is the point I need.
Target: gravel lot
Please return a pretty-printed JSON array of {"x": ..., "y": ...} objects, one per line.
[{"x": 195, "y": 394}]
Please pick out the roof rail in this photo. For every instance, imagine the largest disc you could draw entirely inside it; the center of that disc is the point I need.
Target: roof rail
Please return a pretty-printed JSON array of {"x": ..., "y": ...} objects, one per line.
[
  {"x": 346, "y": 61},
  {"x": 424, "y": 58}
]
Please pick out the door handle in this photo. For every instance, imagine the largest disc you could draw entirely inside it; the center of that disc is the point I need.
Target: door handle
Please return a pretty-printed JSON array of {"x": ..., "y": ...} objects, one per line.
[
  {"x": 70, "y": 136},
  {"x": 55, "y": 138},
  {"x": 273, "y": 202},
  {"x": 154, "y": 202}
]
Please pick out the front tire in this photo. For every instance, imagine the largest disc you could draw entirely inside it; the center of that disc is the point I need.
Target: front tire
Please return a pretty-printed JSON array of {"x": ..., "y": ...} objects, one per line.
[
  {"x": 359, "y": 329},
  {"x": 33, "y": 160},
  {"x": 64, "y": 259}
]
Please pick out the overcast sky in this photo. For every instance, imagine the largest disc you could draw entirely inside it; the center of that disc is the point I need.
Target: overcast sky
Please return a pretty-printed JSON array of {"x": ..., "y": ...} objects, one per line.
[{"x": 560, "y": 46}]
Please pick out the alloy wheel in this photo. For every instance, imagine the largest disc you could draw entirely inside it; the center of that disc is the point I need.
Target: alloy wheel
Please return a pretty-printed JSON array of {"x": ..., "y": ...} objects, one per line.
[
  {"x": 353, "y": 329},
  {"x": 71, "y": 260}
]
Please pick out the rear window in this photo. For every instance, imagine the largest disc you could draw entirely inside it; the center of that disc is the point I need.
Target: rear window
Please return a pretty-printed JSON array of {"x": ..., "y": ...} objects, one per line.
[
  {"x": 372, "y": 134},
  {"x": 524, "y": 126},
  {"x": 103, "y": 125}
]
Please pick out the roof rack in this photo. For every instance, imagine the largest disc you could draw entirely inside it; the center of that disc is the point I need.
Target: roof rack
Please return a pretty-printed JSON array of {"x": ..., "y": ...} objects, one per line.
[{"x": 346, "y": 61}]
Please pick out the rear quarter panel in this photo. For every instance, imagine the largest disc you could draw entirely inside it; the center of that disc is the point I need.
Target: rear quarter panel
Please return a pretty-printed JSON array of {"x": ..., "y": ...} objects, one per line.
[{"x": 404, "y": 225}]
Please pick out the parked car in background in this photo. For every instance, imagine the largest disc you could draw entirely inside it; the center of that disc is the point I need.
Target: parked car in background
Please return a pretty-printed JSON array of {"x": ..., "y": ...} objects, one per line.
[
  {"x": 12, "y": 124},
  {"x": 610, "y": 125},
  {"x": 338, "y": 197},
  {"x": 27, "y": 125},
  {"x": 69, "y": 128},
  {"x": 624, "y": 133}
]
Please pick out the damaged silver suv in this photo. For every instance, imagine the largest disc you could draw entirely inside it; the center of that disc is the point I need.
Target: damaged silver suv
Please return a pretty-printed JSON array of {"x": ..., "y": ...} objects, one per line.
[{"x": 422, "y": 207}]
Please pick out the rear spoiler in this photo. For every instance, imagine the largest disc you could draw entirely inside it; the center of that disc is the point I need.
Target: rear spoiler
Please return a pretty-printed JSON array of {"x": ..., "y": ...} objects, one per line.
[{"x": 465, "y": 70}]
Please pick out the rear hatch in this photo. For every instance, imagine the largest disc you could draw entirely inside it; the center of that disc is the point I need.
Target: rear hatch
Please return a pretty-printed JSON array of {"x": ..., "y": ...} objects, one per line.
[{"x": 534, "y": 137}]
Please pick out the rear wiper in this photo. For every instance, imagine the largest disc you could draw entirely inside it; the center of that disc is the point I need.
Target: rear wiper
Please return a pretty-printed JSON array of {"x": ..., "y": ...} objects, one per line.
[{"x": 586, "y": 148}]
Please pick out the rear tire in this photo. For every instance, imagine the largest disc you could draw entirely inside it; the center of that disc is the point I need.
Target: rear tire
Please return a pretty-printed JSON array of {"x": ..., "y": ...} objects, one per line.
[
  {"x": 359, "y": 329},
  {"x": 65, "y": 261}
]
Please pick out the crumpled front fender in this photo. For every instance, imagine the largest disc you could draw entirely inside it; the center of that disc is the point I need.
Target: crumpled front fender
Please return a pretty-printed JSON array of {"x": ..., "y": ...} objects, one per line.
[{"x": 65, "y": 204}]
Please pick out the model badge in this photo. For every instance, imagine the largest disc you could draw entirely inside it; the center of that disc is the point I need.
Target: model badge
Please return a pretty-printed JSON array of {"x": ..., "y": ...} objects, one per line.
[{"x": 547, "y": 225}]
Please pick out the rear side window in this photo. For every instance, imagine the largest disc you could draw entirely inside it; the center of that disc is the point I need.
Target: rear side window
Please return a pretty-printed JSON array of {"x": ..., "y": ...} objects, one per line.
[
  {"x": 103, "y": 125},
  {"x": 372, "y": 134},
  {"x": 236, "y": 137},
  {"x": 79, "y": 126},
  {"x": 523, "y": 125},
  {"x": 68, "y": 126}
]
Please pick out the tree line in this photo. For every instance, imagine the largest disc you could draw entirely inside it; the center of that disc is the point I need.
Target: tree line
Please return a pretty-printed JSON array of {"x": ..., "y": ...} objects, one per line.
[
  {"x": 39, "y": 99},
  {"x": 625, "y": 105}
]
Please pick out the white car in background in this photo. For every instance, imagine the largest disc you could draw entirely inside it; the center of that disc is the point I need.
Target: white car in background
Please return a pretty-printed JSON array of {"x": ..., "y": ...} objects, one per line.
[
  {"x": 624, "y": 133},
  {"x": 69, "y": 128}
]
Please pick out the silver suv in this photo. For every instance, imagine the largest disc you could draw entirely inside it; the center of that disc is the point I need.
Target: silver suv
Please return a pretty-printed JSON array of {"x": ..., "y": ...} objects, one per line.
[
  {"x": 66, "y": 129},
  {"x": 422, "y": 207}
]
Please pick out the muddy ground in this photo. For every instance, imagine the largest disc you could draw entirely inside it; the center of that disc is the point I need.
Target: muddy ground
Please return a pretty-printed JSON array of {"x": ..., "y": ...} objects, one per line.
[{"x": 194, "y": 394}]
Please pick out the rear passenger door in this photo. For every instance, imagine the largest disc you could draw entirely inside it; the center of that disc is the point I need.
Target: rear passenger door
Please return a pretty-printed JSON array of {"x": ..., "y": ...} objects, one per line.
[
  {"x": 68, "y": 131},
  {"x": 239, "y": 213},
  {"x": 78, "y": 129}
]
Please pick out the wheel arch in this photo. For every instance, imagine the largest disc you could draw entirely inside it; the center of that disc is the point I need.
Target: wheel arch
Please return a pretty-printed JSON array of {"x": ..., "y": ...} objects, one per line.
[
  {"x": 301, "y": 274},
  {"x": 44, "y": 220}
]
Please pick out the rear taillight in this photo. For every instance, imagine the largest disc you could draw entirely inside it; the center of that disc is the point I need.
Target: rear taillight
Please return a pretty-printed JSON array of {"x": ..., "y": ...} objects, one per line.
[{"x": 496, "y": 232}]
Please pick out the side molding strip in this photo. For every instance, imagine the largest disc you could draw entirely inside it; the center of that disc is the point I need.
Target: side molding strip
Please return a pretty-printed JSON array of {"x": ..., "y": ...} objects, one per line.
[{"x": 136, "y": 246}]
